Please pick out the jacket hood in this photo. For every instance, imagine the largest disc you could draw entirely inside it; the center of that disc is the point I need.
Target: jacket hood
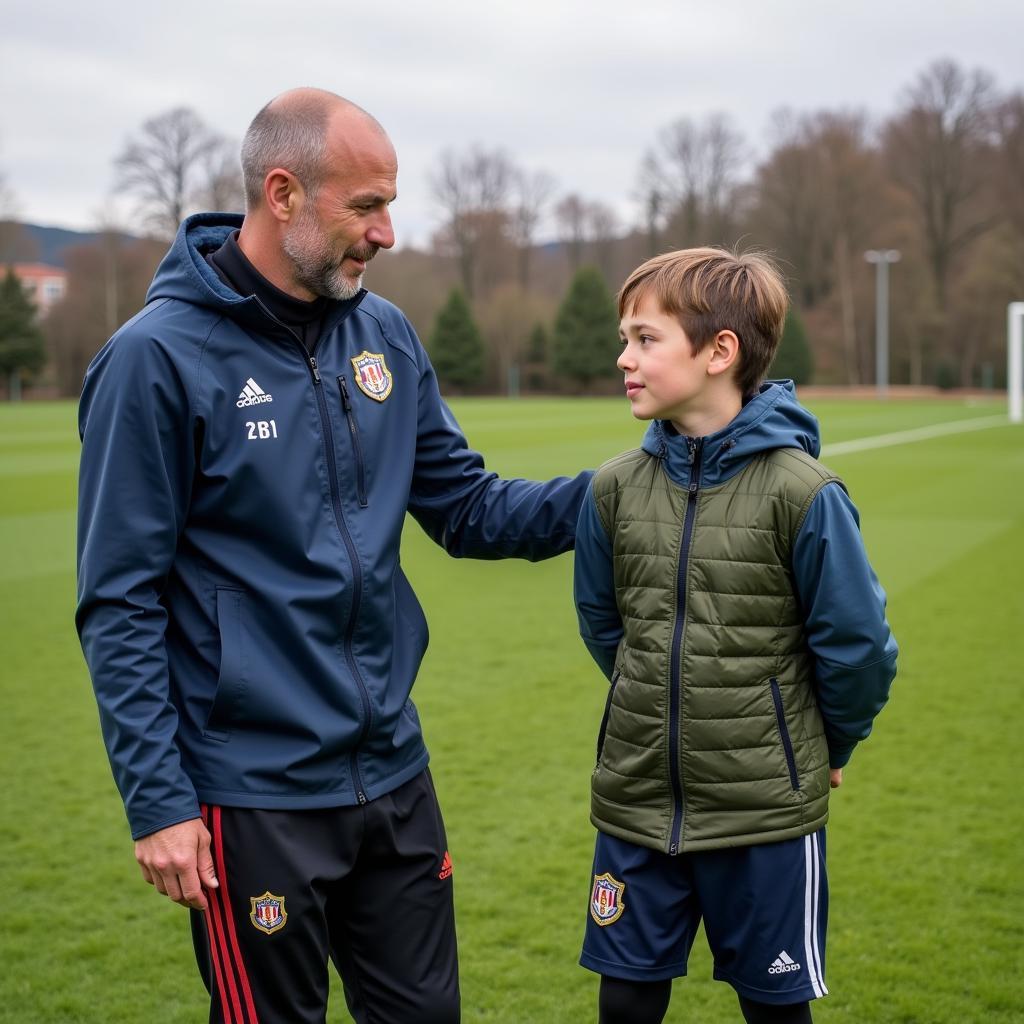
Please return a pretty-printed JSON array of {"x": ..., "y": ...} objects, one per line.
[
  {"x": 184, "y": 274},
  {"x": 772, "y": 419}
]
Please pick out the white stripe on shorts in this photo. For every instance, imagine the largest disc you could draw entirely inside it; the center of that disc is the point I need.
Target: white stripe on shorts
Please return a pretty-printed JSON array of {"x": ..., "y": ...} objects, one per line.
[{"x": 812, "y": 889}]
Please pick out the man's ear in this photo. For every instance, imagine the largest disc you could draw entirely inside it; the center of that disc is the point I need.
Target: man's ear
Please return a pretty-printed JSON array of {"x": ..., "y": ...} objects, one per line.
[
  {"x": 283, "y": 194},
  {"x": 725, "y": 352}
]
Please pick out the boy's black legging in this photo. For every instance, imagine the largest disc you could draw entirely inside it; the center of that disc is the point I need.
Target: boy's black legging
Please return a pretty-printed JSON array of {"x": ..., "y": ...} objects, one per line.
[{"x": 645, "y": 1002}]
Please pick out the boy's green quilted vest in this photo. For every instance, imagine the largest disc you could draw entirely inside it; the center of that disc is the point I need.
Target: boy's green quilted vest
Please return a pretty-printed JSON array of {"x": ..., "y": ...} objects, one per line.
[{"x": 752, "y": 761}]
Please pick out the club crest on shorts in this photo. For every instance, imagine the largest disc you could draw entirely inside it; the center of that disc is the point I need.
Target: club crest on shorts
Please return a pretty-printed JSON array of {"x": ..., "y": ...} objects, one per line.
[
  {"x": 606, "y": 904},
  {"x": 268, "y": 913},
  {"x": 372, "y": 374}
]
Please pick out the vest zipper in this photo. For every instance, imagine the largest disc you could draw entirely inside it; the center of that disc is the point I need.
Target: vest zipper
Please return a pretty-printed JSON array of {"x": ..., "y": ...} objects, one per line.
[
  {"x": 357, "y": 448},
  {"x": 676, "y": 685},
  {"x": 353, "y": 557}
]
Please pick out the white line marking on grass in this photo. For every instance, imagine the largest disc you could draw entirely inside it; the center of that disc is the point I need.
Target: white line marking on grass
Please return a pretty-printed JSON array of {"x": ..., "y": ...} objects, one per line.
[{"x": 861, "y": 444}]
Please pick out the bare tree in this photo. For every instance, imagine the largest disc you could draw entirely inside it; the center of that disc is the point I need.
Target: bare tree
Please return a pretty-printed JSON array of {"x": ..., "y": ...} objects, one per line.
[
  {"x": 532, "y": 192},
  {"x": 792, "y": 208},
  {"x": 507, "y": 318},
  {"x": 222, "y": 171},
  {"x": 695, "y": 167},
  {"x": 1008, "y": 121},
  {"x": 937, "y": 148},
  {"x": 473, "y": 190},
  {"x": 165, "y": 165},
  {"x": 822, "y": 201},
  {"x": 571, "y": 216},
  {"x": 12, "y": 241},
  {"x": 107, "y": 282},
  {"x": 603, "y": 227},
  {"x": 650, "y": 193}
]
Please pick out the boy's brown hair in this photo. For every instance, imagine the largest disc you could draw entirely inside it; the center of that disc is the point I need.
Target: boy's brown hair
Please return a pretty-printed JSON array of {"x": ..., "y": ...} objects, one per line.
[{"x": 710, "y": 290}]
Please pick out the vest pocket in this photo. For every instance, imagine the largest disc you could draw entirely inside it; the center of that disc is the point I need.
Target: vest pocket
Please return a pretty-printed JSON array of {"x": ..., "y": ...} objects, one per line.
[
  {"x": 604, "y": 717},
  {"x": 231, "y": 678},
  {"x": 787, "y": 743}
]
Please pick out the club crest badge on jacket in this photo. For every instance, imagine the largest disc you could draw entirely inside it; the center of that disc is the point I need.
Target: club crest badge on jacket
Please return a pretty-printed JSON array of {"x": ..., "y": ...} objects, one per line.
[{"x": 372, "y": 375}]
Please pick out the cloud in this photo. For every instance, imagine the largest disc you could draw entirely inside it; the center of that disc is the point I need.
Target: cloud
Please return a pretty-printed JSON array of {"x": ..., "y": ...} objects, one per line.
[{"x": 579, "y": 89}]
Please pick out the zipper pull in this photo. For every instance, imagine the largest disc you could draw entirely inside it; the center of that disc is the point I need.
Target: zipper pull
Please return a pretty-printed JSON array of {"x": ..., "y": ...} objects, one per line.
[
  {"x": 312, "y": 366},
  {"x": 691, "y": 448},
  {"x": 346, "y": 402}
]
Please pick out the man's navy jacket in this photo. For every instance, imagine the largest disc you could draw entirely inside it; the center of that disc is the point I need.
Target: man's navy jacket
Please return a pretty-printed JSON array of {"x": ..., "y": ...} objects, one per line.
[{"x": 251, "y": 636}]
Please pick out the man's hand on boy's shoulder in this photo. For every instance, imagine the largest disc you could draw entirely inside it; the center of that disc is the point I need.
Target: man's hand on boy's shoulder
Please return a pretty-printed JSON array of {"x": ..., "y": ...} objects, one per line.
[{"x": 835, "y": 777}]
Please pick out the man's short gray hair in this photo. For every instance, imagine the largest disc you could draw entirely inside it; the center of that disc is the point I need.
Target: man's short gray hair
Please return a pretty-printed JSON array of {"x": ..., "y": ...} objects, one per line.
[{"x": 291, "y": 135}]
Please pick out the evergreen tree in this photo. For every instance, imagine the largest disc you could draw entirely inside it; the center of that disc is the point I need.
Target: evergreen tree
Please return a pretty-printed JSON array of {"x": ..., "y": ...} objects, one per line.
[
  {"x": 456, "y": 348},
  {"x": 794, "y": 358},
  {"x": 537, "y": 346},
  {"x": 21, "y": 342},
  {"x": 586, "y": 341}
]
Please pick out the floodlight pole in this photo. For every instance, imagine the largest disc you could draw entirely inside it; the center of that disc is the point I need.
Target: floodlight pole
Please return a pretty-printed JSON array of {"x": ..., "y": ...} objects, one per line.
[
  {"x": 1015, "y": 359},
  {"x": 881, "y": 259}
]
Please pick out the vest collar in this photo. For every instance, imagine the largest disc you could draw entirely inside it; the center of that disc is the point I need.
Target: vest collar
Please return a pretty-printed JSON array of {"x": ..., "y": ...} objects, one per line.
[{"x": 771, "y": 419}]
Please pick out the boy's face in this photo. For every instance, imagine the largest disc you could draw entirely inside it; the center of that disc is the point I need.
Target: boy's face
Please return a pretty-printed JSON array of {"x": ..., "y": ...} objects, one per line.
[{"x": 664, "y": 379}]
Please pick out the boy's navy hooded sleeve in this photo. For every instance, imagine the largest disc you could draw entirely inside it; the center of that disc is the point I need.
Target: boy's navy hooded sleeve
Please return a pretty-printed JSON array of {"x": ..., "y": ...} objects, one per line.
[
  {"x": 594, "y": 588},
  {"x": 134, "y": 486},
  {"x": 470, "y": 511},
  {"x": 844, "y": 613}
]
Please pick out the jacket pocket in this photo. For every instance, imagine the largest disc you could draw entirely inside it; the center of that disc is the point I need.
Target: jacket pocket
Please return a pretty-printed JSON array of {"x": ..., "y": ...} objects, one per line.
[
  {"x": 604, "y": 718},
  {"x": 357, "y": 446},
  {"x": 231, "y": 680},
  {"x": 787, "y": 743}
]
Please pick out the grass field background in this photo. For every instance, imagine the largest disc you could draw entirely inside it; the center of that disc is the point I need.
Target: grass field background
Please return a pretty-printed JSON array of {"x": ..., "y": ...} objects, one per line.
[{"x": 926, "y": 841}]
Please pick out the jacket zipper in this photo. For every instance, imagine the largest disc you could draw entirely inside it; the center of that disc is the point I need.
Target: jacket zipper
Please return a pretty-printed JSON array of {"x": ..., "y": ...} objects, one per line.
[
  {"x": 353, "y": 556},
  {"x": 357, "y": 574},
  {"x": 357, "y": 448},
  {"x": 676, "y": 685},
  {"x": 787, "y": 742}
]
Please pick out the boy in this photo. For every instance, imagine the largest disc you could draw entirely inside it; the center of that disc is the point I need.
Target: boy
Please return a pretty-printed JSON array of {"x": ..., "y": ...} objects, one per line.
[{"x": 723, "y": 588}]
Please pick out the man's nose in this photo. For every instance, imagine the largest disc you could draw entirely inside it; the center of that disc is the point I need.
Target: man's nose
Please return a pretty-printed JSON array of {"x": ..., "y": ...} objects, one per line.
[{"x": 382, "y": 232}]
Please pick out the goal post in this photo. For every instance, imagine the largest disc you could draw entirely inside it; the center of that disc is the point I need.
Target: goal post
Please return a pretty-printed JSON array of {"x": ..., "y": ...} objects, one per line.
[{"x": 1015, "y": 360}]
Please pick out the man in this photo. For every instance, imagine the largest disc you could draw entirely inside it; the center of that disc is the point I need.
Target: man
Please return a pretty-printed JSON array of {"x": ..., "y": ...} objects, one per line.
[{"x": 252, "y": 441}]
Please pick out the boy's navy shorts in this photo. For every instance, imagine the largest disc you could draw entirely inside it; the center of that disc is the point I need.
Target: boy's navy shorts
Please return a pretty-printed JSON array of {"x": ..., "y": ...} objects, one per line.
[{"x": 764, "y": 907}]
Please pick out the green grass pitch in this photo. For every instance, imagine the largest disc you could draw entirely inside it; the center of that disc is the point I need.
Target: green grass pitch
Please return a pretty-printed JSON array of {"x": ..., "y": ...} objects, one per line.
[{"x": 926, "y": 837}]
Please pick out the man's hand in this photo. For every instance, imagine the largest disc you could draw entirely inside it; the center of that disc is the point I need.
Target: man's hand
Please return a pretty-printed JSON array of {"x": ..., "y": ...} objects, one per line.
[
  {"x": 177, "y": 861},
  {"x": 835, "y": 777}
]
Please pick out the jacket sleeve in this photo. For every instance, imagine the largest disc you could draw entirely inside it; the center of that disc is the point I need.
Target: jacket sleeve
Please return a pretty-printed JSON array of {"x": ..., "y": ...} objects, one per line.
[
  {"x": 844, "y": 612},
  {"x": 134, "y": 489},
  {"x": 472, "y": 513},
  {"x": 594, "y": 588}
]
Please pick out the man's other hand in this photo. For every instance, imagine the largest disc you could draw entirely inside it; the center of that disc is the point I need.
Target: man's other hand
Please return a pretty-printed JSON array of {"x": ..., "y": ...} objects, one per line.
[{"x": 178, "y": 862}]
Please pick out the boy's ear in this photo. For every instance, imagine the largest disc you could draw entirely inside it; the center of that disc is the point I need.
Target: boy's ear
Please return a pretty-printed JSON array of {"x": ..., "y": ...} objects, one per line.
[{"x": 725, "y": 352}]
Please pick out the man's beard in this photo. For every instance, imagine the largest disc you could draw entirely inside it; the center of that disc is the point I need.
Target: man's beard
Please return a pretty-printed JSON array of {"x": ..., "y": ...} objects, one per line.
[{"x": 316, "y": 265}]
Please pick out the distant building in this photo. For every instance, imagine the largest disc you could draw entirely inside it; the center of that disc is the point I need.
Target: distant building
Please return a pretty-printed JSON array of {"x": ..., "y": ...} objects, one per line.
[{"x": 45, "y": 284}]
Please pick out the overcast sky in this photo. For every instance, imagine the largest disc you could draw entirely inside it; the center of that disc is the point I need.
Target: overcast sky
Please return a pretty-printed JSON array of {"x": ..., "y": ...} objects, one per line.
[{"x": 577, "y": 89}]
